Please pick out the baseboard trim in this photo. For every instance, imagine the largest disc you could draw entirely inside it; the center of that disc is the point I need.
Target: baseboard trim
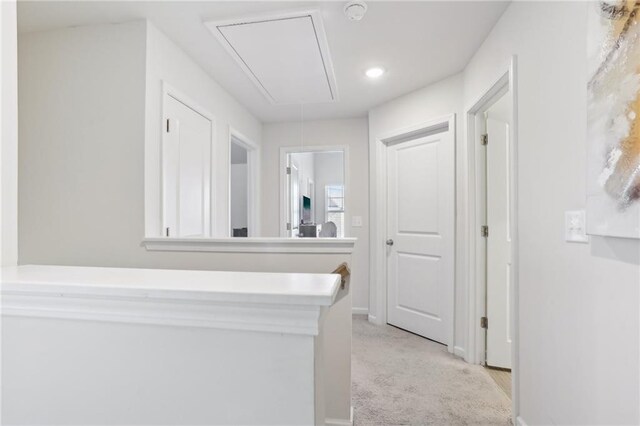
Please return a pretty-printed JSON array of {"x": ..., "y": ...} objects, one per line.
[
  {"x": 360, "y": 311},
  {"x": 251, "y": 245},
  {"x": 372, "y": 318},
  {"x": 340, "y": 422},
  {"x": 520, "y": 421},
  {"x": 458, "y": 351}
]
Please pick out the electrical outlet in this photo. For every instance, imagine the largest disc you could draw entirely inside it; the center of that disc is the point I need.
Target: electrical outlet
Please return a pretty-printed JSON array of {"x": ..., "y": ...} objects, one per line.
[
  {"x": 356, "y": 221},
  {"x": 575, "y": 224}
]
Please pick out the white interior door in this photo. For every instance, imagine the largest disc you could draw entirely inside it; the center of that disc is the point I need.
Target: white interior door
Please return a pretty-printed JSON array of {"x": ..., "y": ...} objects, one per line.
[
  {"x": 293, "y": 208},
  {"x": 498, "y": 245},
  {"x": 186, "y": 159},
  {"x": 420, "y": 232}
]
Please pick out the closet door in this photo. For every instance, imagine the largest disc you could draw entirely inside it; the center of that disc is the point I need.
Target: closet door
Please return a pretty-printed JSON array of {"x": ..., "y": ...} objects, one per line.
[{"x": 186, "y": 171}]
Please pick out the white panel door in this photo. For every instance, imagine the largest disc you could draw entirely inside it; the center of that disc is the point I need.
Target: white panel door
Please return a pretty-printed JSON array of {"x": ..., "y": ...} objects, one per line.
[
  {"x": 420, "y": 215},
  {"x": 498, "y": 246},
  {"x": 186, "y": 171}
]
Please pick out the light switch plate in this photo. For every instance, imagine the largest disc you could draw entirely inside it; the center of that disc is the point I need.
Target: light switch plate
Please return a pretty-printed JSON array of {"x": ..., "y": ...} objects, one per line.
[
  {"x": 575, "y": 224},
  {"x": 356, "y": 221}
]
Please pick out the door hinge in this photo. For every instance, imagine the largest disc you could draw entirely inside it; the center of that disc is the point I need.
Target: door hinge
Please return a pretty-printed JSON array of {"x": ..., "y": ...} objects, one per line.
[
  {"x": 167, "y": 232},
  {"x": 484, "y": 322},
  {"x": 484, "y": 230},
  {"x": 484, "y": 139},
  {"x": 168, "y": 125},
  {"x": 288, "y": 226},
  {"x": 288, "y": 170}
]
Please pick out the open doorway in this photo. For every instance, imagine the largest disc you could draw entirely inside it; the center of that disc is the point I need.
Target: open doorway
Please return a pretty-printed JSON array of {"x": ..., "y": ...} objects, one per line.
[
  {"x": 315, "y": 193},
  {"x": 242, "y": 187},
  {"x": 239, "y": 194},
  {"x": 493, "y": 261},
  {"x": 499, "y": 285}
]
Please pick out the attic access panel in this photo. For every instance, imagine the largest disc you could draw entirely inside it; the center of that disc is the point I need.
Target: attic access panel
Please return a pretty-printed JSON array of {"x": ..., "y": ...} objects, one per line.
[{"x": 286, "y": 56}]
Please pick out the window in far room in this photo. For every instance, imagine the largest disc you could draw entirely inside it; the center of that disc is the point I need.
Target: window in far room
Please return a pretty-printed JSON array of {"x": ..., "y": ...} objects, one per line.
[{"x": 335, "y": 207}]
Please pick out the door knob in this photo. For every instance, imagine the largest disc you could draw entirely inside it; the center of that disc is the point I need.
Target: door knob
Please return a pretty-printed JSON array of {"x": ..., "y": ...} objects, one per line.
[{"x": 389, "y": 242}]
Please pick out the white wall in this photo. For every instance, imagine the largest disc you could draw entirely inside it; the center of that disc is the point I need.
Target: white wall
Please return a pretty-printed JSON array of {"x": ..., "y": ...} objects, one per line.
[
  {"x": 239, "y": 200},
  {"x": 75, "y": 372},
  {"x": 82, "y": 192},
  {"x": 81, "y": 159},
  {"x": 579, "y": 317},
  {"x": 436, "y": 100},
  {"x": 82, "y": 139},
  {"x": 166, "y": 62},
  {"x": 349, "y": 132},
  {"x": 82, "y": 163},
  {"x": 9, "y": 136}
]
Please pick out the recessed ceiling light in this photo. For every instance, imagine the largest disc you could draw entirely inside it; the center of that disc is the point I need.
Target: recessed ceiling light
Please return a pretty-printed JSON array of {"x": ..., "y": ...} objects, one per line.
[{"x": 374, "y": 72}]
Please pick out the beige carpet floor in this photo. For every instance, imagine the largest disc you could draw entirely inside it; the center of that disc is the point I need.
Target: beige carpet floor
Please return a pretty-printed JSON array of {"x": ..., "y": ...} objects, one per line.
[{"x": 402, "y": 379}]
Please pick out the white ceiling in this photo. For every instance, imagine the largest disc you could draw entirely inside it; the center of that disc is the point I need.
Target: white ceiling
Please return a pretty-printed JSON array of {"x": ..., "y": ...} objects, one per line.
[{"x": 416, "y": 42}]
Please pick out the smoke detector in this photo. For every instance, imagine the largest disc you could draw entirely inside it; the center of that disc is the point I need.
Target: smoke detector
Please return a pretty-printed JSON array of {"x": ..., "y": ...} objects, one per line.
[{"x": 355, "y": 10}]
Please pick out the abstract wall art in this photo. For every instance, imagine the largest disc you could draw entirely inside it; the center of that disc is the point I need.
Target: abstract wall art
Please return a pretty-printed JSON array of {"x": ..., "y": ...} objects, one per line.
[{"x": 613, "y": 119}]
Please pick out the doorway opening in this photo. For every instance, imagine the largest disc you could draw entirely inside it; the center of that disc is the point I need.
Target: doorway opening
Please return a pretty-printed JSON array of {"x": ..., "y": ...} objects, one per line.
[
  {"x": 314, "y": 193},
  {"x": 492, "y": 244},
  {"x": 243, "y": 175},
  {"x": 498, "y": 338}
]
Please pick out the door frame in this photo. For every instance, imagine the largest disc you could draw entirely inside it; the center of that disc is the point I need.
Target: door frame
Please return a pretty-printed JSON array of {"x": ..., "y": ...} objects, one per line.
[
  {"x": 289, "y": 199},
  {"x": 473, "y": 241},
  {"x": 378, "y": 207},
  {"x": 253, "y": 182},
  {"x": 286, "y": 150},
  {"x": 176, "y": 94}
]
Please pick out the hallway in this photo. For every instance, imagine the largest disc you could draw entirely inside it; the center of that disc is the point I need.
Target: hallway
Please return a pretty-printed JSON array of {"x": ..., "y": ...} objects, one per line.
[{"x": 400, "y": 378}]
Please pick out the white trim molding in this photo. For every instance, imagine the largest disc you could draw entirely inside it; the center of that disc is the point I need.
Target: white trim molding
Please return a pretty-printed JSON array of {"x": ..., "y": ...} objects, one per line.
[
  {"x": 257, "y": 317},
  {"x": 9, "y": 135},
  {"x": 459, "y": 351},
  {"x": 253, "y": 245},
  {"x": 341, "y": 422},
  {"x": 207, "y": 299},
  {"x": 359, "y": 311}
]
